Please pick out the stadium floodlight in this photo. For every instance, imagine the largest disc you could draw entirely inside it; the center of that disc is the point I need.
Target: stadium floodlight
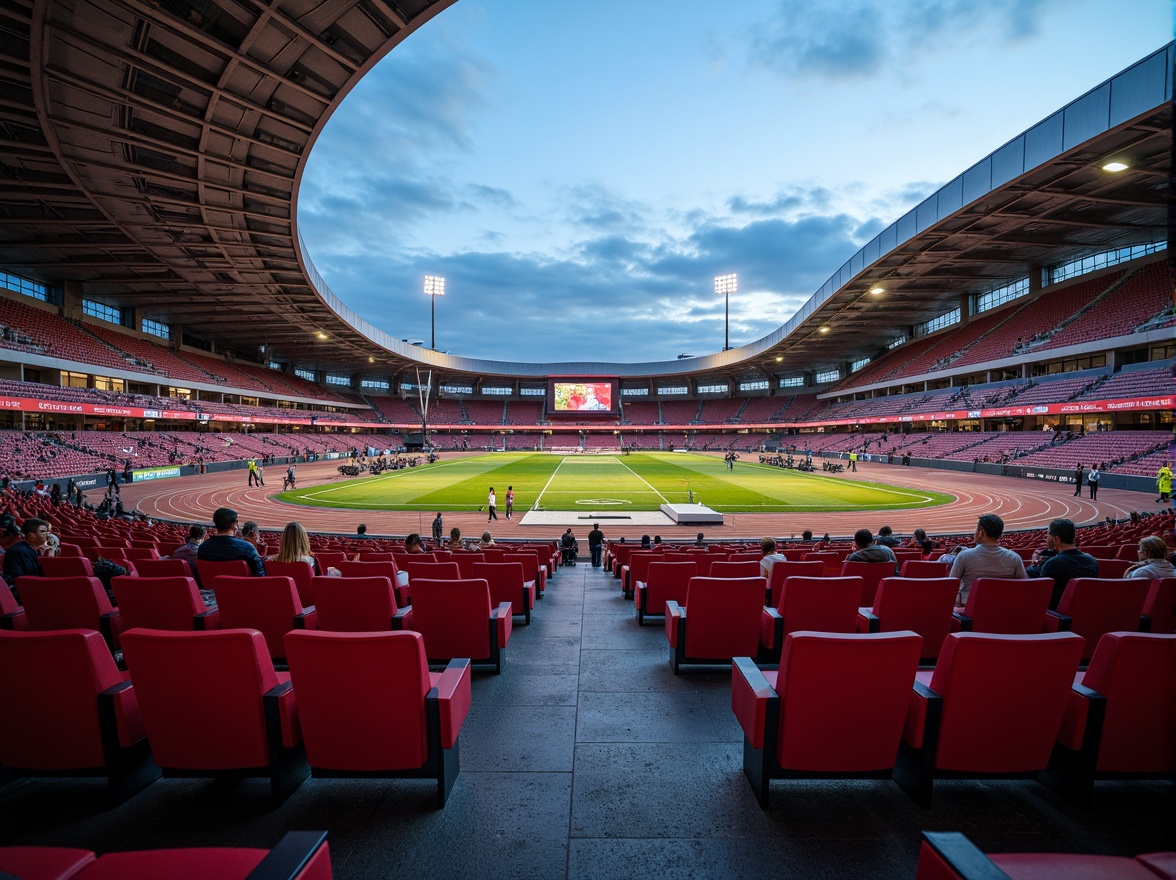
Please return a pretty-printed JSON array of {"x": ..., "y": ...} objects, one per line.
[
  {"x": 434, "y": 287},
  {"x": 1115, "y": 166},
  {"x": 725, "y": 285}
]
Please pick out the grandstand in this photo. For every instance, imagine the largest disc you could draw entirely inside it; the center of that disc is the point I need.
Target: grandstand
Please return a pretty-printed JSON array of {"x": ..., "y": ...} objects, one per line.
[{"x": 151, "y": 160}]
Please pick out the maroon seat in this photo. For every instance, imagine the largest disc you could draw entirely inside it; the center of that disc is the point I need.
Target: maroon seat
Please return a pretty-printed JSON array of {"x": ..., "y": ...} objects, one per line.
[
  {"x": 299, "y": 855},
  {"x": 1160, "y": 605},
  {"x": 924, "y": 568},
  {"x": 637, "y": 570},
  {"x": 70, "y": 603},
  {"x": 355, "y": 604},
  {"x": 1114, "y": 568},
  {"x": 534, "y": 569},
  {"x": 1121, "y": 718},
  {"x": 664, "y": 581},
  {"x": 457, "y": 619},
  {"x": 386, "y": 569},
  {"x": 871, "y": 574},
  {"x": 816, "y": 604},
  {"x": 1022, "y": 680},
  {"x": 208, "y": 570},
  {"x": 835, "y": 708},
  {"x": 269, "y": 604},
  {"x": 377, "y": 556},
  {"x": 508, "y": 584},
  {"x": 1092, "y": 607},
  {"x": 66, "y": 566},
  {"x": 466, "y": 561},
  {"x": 791, "y": 568},
  {"x": 302, "y": 573},
  {"x": 138, "y": 553},
  {"x": 328, "y": 558},
  {"x": 831, "y": 559},
  {"x": 1005, "y": 605},
  {"x": 153, "y": 568},
  {"x": 163, "y": 603},
  {"x": 431, "y": 570},
  {"x": 949, "y": 855},
  {"x": 68, "y": 711},
  {"x": 921, "y": 604},
  {"x": 12, "y": 614},
  {"x": 720, "y": 621},
  {"x": 736, "y": 568},
  {"x": 213, "y": 705},
  {"x": 369, "y": 706}
]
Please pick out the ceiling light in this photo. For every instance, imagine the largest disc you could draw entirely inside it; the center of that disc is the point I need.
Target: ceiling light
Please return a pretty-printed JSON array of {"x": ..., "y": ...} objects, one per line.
[
  {"x": 823, "y": 330},
  {"x": 877, "y": 290},
  {"x": 778, "y": 359},
  {"x": 1115, "y": 166},
  {"x": 321, "y": 335}
]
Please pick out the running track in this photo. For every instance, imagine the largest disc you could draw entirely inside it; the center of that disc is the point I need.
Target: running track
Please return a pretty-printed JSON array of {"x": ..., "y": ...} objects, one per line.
[{"x": 1022, "y": 504}]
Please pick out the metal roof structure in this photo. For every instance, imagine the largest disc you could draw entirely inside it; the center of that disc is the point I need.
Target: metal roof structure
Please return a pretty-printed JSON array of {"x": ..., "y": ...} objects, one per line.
[{"x": 151, "y": 154}]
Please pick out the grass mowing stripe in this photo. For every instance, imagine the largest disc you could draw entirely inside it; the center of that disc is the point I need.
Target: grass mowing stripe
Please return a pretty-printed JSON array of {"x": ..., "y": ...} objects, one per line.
[{"x": 646, "y": 482}]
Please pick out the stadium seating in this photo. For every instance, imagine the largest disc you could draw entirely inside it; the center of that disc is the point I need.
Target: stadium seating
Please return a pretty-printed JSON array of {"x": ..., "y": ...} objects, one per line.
[
  {"x": 720, "y": 621},
  {"x": 1092, "y": 607},
  {"x": 457, "y": 619},
  {"x": 817, "y": 604},
  {"x": 923, "y": 605},
  {"x": 163, "y": 603},
  {"x": 269, "y": 604}
]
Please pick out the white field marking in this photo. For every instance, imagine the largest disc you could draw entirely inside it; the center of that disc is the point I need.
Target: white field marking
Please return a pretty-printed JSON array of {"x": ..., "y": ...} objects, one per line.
[
  {"x": 664, "y": 499},
  {"x": 539, "y": 497},
  {"x": 360, "y": 481}
]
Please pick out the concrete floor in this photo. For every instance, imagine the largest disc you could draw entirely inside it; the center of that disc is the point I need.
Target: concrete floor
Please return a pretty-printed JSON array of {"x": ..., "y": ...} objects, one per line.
[{"x": 588, "y": 758}]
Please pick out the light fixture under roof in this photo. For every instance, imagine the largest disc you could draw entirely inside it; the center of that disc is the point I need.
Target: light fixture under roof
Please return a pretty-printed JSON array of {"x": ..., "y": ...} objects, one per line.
[
  {"x": 877, "y": 291},
  {"x": 1116, "y": 166},
  {"x": 321, "y": 335},
  {"x": 823, "y": 330}
]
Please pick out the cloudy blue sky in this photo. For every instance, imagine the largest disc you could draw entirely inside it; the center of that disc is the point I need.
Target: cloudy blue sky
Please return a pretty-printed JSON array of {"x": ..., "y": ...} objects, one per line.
[{"x": 579, "y": 173}]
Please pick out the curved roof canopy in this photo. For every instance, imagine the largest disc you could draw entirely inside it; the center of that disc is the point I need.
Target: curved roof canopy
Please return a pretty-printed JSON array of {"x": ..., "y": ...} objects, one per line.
[{"x": 152, "y": 151}]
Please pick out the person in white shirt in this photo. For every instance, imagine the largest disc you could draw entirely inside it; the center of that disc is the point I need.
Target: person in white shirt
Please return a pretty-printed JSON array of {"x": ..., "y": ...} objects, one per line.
[
  {"x": 770, "y": 557},
  {"x": 987, "y": 558}
]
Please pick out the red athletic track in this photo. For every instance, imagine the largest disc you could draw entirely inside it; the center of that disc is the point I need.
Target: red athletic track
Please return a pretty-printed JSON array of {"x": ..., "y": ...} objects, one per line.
[{"x": 1022, "y": 504}]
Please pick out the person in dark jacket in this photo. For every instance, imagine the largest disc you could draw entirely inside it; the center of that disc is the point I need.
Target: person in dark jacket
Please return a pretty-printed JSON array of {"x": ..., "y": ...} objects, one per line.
[
  {"x": 21, "y": 558},
  {"x": 1067, "y": 561},
  {"x": 225, "y": 546}
]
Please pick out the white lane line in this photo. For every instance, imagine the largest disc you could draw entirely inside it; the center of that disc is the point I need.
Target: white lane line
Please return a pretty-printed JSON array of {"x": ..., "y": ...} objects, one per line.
[
  {"x": 664, "y": 499},
  {"x": 548, "y": 483}
]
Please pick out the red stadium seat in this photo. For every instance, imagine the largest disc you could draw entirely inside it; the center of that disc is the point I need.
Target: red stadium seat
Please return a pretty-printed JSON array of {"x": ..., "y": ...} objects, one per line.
[
  {"x": 457, "y": 619},
  {"x": 720, "y": 621}
]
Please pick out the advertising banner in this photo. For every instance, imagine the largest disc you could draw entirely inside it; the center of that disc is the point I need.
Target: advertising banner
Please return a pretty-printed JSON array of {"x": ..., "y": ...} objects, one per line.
[{"x": 155, "y": 473}]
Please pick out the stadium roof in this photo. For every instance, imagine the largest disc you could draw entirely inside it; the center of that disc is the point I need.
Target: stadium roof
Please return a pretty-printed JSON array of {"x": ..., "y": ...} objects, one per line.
[{"x": 152, "y": 151}]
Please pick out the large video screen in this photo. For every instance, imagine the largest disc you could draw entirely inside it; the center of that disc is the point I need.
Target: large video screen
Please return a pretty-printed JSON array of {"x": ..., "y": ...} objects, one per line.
[{"x": 589, "y": 396}]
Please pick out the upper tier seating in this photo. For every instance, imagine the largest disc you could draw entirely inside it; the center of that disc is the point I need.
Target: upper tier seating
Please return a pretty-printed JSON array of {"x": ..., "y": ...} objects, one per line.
[
  {"x": 1147, "y": 293},
  {"x": 38, "y": 331},
  {"x": 680, "y": 412}
]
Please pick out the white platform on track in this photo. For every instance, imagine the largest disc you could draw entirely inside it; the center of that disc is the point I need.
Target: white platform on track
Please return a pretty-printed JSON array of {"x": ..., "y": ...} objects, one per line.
[{"x": 669, "y": 515}]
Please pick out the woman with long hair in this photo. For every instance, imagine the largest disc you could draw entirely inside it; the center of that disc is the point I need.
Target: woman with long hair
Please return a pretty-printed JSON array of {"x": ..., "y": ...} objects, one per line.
[
  {"x": 295, "y": 547},
  {"x": 1153, "y": 560}
]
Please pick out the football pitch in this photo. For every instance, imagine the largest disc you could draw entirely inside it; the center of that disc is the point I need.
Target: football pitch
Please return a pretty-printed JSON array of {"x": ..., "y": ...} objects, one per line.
[{"x": 637, "y": 482}]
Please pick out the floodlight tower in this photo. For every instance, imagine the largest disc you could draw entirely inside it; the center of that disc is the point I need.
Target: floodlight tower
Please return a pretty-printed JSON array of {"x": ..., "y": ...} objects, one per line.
[
  {"x": 434, "y": 287},
  {"x": 725, "y": 285}
]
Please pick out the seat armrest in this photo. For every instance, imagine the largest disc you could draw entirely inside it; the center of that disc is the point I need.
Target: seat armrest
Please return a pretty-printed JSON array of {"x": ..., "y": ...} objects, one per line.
[
  {"x": 951, "y": 851},
  {"x": 402, "y": 619},
  {"x": 1055, "y": 622},
  {"x": 8, "y": 621},
  {"x": 751, "y": 699},
  {"x": 207, "y": 620},
  {"x": 281, "y": 708},
  {"x": 119, "y": 703},
  {"x": 293, "y": 855},
  {"x": 922, "y": 713},
  {"x": 307, "y": 618},
  {"x": 675, "y": 622},
  {"x": 964, "y": 620},
  {"x": 869, "y": 618},
  {"x": 453, "y": 698},
  {"x": 501, "y": 610},
  {"x": 1081, "y": 729},
  {"x": 110, "y": 625},
  {"x": 1145, "y": 623}
]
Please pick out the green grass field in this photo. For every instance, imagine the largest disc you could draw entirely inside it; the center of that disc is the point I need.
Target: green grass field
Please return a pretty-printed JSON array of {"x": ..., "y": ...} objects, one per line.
[{"x": 642, "y": 481}]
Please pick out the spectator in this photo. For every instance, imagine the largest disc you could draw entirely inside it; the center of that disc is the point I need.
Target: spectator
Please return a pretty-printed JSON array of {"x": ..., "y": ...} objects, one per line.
[
  {"x": 1065, "y": 562},
  {"x": 918, "y": 537},
  {"x": 438, "y": 528},
  {"x": 986, "y": 559},
  {"x": 190, "y": 548},
  {"x": 868, "y": 551},
  {"x": 770, "y": 556},
  {"x": 22, "y": 558},
  {"x": 646, "y": 544},
  {"x": 455, "y": 538},
  {"x": 413, "y": 544},
  {"x": 251, "y": 533},
  {"x": 954, "y": 554},
  {"x": 806, "y": 536},
  {"x": 225, "y": 546},
  {"x": 1153, "y": 560},
  {"x": 699, "y": 541},
  {"x": 596, "y": 545},
  {"x": 361, "y": 531},
  {"x": 886, "y": 537},
  {"x": 487, "y": 540},
  {"x": 295, "y": 547}
]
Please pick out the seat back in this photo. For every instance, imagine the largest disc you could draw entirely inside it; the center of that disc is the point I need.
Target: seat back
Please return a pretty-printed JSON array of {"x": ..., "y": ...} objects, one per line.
[
  {"x": 349, "y": 568},
  {"x": 871, "y": 574},
  {"x": 1109, "y": 569},
  {"x": 268, "y": 604},
  {"x": 844, "y": 698},
  {"x": 67, "y": 550},
  {"x": 1136, "y": 672},
  {"x": 924, "y": 605},
  {"x": 529, "y": 560},
  {"x": 736, "y": 568},
  {"x": 453, "y": 617},
  {"x": 376, "y": 556},
  {"x": 66, "y": 566},
  {"x": 1100, "y": 551},
  {"x": 437, "y": 571},
  {"x": 354, "y": 604},
  {"x": 1008, "y": 605},
  {"x": 137, "y": 553},
  {"x": 666, "y": 581},
  {"x": 1160, "y": 605},
  {"x": 209, "y": 570},
  {"x": 158, "y": 602},
  {"x": 792, "y": 568},
  {"x": 1098, "y": 606},
  {"x": 467, "y": 561},
  {"x": 300, "y": 572},
  {"x": 723, "y": 616},
  {"x": 1003, "y": 699},
  {"x": 361, "y": 698},
  {"x": 924, "y": 568},
  {"x": 48, "y": 696},
  {"x": 201, "y": 695},
  {"x": 157, "y": 568},
  {"x": 505, "y": 580},
  {"x": 820, "y": 604},
  {"x": 63, "y": 602},
  {"x": 329, "y": 558},
  {"x": 831, "y": 559}
]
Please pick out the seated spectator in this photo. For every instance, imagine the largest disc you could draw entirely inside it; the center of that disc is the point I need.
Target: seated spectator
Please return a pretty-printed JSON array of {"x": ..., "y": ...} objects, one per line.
[
  {"x": 225, "y": 546},
  {"x": 986, "y": 559},
  {"x": 295, "y": 547},
  {"x": 413, "y": 544},
  {"x": 487, "y": 540},
  {"x": 251, "y": 533},
  {"x": 954, "y": 554},
  {"x": 52, "y": 545},
  {"x": 188, "y": 550},
  {"x": 22, "y": 557},
  {"x": 361, "y": 531},
  {"x": 770, "y": 556},
  {"x": 645, "y": 542},
  {"x": 455, "y": 538},
  {"x": 868, "y": 551},
  {"x": 699, "y": 541},
  {"x": 886, "y": 537},
  {"x": 917, "y": 538},
  {"x": 1064, "y": 560},
  {"x": 1153, "y": 560},
  {"x": 806, "y": 536}
]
